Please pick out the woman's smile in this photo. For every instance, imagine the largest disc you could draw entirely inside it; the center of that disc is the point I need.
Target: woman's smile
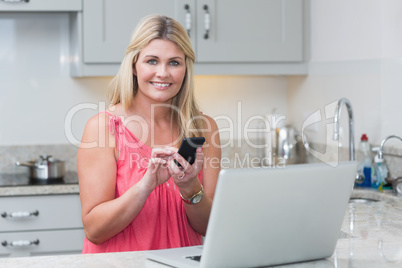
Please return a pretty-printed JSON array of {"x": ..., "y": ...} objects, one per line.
[{"x": 161, "y": 85}]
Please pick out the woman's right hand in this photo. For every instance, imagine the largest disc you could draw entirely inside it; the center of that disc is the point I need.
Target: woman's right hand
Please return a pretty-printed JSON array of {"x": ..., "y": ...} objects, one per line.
[{"x": 158, "y": 172}]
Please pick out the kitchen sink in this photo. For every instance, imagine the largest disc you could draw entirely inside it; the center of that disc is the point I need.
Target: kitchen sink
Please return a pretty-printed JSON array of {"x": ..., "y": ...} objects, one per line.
[{"x": 362, "y": 200}]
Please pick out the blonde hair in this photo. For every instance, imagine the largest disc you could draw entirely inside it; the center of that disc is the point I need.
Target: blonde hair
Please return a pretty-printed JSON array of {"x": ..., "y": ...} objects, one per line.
[{"x": 124, "y": 86}]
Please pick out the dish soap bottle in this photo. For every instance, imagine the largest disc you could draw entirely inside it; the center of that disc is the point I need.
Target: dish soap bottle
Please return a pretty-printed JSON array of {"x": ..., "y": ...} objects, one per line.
[
  {"x": 380, "y": 172},
  {"x": 365, "y": 161}
]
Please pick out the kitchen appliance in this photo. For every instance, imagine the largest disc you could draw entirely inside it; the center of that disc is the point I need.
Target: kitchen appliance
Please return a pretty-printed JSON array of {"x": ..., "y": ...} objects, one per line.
[
  {"x": 289, "y": 148},
  {"x": 45, "y": 168}
]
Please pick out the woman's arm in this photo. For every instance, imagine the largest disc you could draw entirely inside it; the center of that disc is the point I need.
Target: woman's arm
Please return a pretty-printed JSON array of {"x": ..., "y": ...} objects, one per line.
[
  {"x": 103, "y": 215},
  {"x": 198, "y": 214}
]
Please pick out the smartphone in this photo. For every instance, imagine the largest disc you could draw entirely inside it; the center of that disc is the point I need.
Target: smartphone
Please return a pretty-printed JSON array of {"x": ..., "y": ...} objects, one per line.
[{"x": 188, "y": 149}]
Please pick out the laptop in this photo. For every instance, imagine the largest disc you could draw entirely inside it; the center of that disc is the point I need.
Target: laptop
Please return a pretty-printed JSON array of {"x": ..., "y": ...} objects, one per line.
[{"x": 270, "y": 216}]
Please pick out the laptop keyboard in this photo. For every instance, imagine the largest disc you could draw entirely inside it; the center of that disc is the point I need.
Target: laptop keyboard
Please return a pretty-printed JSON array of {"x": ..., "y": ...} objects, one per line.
[{"x": 194, "y": 258}]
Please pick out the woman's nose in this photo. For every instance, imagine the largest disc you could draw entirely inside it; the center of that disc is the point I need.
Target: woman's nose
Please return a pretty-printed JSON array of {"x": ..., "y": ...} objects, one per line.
[{"x": 162, "y": 71}]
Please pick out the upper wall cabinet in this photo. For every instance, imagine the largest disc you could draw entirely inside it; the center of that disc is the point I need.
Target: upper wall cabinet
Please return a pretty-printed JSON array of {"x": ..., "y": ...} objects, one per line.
[
  {"x": 228, "y": 36},
  {"x": 220, "y": 30},
  {"x": 108, "y": 25},
  {"x": 40, "y": 5},
  {"x": 244, "y": 30}
]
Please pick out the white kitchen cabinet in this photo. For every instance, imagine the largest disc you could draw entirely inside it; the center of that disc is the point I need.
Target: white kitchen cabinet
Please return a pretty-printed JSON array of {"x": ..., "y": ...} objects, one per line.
[
  {"x": 40, "y": 5},
  {"x": 244, "y": 37},
  {"x": 40, "y": 225},
  {"x": 108, "y": 25},
  {"x": 248, "y": 31},
  {"x": 220, "y": 30}
]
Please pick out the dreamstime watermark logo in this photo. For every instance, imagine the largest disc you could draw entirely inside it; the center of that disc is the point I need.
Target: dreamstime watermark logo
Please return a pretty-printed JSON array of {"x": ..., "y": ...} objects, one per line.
[{"x": 232, "y": 128}]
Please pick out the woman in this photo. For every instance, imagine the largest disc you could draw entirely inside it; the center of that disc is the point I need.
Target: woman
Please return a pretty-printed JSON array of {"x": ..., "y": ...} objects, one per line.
[{"x": 133, "y": 195}]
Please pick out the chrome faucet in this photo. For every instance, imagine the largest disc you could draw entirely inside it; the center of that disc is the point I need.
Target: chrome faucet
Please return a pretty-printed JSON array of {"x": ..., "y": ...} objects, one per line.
[
  {"x": 380, "y": 151},
  {"x": 359, "y": 176},
  {"x": 351, "y": 126}
]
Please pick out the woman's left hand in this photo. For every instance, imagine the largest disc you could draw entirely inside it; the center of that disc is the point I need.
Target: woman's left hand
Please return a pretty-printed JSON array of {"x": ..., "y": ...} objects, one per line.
[{"x": 185, "y": 177}]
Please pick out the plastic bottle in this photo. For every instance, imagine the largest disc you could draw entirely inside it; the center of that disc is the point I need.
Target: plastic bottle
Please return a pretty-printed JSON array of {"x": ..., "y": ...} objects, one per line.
[
  {"x": 379, "y": 173},
  {"x": 365, "y": 161}
]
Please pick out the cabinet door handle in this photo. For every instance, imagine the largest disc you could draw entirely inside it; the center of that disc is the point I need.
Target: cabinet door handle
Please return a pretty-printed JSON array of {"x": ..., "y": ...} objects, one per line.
[
  {"x": 207, "y": 22},
  {"x": 188, "y": 19},
  {"x": 20, "y": 214},
  {"x": 15, "y": 1},
  {"x": 20, "y": 243}
]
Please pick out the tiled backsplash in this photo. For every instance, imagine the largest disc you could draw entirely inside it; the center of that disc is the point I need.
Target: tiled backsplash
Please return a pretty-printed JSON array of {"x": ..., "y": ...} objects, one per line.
[
  {"x": 235, "y": 154},
  {"x": 10, "y": 154},
  {"x": 392, "y": 157}
]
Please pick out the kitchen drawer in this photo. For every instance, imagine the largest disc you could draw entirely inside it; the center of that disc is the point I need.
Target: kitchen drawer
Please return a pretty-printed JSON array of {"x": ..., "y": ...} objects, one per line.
[
  {"x": 41, "y": 5},
  {"x": 47, "y": 243},
  {"x": 44, "y": 212}
]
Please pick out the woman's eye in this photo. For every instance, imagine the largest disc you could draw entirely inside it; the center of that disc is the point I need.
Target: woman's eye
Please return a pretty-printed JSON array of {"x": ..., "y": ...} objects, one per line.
[
  {"x": 153, "y": 62},
  {"x": 174, "y": 63}
]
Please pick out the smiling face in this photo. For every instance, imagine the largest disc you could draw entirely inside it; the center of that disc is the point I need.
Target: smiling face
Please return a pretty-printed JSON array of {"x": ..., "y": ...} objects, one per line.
[{"x": 160, "y": 70}]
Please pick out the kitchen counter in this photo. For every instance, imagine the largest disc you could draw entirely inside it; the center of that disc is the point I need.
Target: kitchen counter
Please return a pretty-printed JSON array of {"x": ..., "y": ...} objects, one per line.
[
  {"x": 371, "y": 236},
  {"x": 20, "y": 185}
]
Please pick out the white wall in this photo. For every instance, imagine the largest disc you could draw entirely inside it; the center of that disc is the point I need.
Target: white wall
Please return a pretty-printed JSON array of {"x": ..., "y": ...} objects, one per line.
[
  {"x": 36, "y": 90},
  {"x": 391, "y": 79},
  {"x": 343, "y": 30},
  {"x": 37, "y": 94},
  {"x": 240, "y": 101},
  {"x": 355, "y": 53}
]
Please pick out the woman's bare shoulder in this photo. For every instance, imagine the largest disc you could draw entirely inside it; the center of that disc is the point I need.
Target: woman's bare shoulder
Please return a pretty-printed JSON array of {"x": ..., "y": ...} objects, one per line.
[
  {"x": 101, "y": 119},
  {"x": 97, "y": 131},
  {"x": 97, "y": 122}
]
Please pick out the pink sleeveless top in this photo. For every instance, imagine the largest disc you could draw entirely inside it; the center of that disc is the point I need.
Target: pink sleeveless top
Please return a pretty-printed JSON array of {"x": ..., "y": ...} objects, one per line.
[{"x": 162, "y": 222}]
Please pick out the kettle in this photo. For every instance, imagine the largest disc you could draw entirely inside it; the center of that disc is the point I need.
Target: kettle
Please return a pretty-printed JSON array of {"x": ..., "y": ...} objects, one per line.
[{"x": 288, "y": 148}]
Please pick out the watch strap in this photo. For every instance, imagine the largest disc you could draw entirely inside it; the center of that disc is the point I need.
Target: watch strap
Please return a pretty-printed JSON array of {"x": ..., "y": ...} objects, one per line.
[{"x": 196, "y": 198}]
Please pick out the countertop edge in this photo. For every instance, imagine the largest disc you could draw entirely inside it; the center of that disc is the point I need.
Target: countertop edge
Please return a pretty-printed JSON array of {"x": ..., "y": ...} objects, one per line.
[{"x": 39, "y": 190}]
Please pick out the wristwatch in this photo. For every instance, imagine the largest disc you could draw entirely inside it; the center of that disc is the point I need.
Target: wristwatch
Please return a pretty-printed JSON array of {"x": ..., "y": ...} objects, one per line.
[{"x": 196, "y": 198}]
